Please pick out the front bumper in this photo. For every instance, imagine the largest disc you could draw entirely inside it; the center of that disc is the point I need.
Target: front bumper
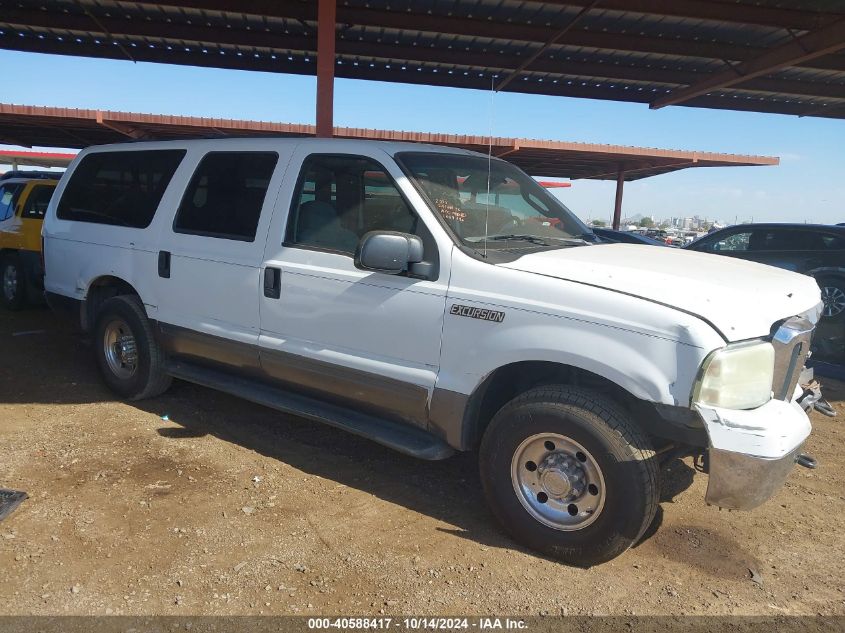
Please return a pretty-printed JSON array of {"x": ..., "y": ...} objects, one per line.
[
  {"x": 752, "y": 452},
  {"x": 743, "y": 482}
]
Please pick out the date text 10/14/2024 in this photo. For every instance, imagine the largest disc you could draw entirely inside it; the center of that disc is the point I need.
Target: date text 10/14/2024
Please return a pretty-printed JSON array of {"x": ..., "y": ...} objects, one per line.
[{"x": 421, "y": 623}]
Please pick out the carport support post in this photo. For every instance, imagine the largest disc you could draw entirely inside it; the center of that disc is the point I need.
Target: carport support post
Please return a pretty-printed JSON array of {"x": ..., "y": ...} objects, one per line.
[
  {"x": 617, "y": 207},
  {"x": 326, "y": 14}
]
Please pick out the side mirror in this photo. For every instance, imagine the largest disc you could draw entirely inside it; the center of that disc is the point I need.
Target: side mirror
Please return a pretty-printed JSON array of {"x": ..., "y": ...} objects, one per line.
[{"x": 388, "y": 252}]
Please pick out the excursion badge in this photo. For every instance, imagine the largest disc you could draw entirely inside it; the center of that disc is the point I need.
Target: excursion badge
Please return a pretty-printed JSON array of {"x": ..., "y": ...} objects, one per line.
[{"x": 477, "y": 313}]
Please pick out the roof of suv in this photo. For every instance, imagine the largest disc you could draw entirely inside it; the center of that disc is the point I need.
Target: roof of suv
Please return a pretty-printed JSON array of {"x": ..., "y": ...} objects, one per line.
[{"x": 391, "y": 147}]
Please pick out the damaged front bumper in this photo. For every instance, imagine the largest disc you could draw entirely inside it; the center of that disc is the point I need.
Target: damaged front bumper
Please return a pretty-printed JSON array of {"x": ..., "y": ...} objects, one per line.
[{"x": 752, "y": 452}]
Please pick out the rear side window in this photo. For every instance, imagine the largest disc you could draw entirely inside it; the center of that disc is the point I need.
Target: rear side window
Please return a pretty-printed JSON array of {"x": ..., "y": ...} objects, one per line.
[
  {"x": 37, "y": 201},
  {"x": 787, "y": 240},
  {"x": 226, "y": 194},
  {"x": 119, "y": 188}
]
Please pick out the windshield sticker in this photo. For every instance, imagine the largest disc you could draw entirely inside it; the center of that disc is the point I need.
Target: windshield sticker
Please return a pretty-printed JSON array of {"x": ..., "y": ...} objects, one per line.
[
  {"x": 477, "y": 313},
  {"x": 449, "y": 211}
]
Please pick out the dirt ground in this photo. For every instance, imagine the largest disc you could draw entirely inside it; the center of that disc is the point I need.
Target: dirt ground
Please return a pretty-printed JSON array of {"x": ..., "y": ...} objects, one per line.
[{"x": 197, "y": 502}]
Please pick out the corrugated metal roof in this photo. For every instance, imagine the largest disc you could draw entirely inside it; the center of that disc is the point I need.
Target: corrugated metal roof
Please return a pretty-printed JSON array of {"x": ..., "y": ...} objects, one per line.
[
  {"x": 784, "y": 56},
  {"x": 69, "y": 127}
]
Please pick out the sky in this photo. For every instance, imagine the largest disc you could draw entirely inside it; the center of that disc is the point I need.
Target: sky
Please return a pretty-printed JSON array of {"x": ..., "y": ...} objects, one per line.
[{"x": 808, "y": 185}]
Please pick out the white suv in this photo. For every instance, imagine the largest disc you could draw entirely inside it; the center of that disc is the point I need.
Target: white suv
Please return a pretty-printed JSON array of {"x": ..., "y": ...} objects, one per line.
[{"x": 435, "y": 300}]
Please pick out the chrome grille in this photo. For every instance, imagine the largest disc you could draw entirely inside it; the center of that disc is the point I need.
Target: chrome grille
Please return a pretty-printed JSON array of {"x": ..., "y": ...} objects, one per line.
[{"x": 792, "y": 346}]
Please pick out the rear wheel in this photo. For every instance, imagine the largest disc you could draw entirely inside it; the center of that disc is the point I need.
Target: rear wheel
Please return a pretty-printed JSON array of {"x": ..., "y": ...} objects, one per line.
[
  {"x": 833, "y": 297},
  {"x": 568, "y": 473},
  {"x": 130, "y": 360},
  {"x": 13, "y": 293}
]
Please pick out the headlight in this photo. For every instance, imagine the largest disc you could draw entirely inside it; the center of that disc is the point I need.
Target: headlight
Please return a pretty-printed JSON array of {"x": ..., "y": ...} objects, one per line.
[{"x": 737, "y": 377}]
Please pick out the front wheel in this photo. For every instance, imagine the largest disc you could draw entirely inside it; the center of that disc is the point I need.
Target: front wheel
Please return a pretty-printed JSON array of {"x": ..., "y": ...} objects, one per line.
[
  {"x": 13, "y": 293},
  {"x": 130, "y": 360},
  {"x": 568, "y": 473}
]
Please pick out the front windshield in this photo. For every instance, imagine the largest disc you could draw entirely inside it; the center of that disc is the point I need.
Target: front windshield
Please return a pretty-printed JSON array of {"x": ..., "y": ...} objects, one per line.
[{"x": 516, "y": 213}]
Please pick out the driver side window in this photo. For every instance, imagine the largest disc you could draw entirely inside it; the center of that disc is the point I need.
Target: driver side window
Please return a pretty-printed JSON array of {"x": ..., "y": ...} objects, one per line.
[{"x": 340, "y": 198}]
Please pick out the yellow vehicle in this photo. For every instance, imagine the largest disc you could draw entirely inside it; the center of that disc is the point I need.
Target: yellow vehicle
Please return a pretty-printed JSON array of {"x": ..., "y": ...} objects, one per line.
[{"x": 23, "y": 202}]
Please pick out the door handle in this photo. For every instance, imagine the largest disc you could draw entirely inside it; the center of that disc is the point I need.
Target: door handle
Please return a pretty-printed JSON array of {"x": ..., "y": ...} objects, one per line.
[
  {"x": 272, "y": 282},
  {"x": 164, "y": 264}
]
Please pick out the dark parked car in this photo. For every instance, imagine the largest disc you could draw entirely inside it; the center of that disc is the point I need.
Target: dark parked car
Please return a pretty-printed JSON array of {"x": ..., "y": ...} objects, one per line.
[
  {"x": 817, "y": 250},
  {"x": 609, "y": 235}
]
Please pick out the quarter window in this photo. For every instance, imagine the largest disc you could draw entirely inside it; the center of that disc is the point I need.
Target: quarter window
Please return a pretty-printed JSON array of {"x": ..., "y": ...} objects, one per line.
[
  {"x": 340, "y": 198},
  {"x": 119, "y": 188},
  {"x": 226, "y": 194}
]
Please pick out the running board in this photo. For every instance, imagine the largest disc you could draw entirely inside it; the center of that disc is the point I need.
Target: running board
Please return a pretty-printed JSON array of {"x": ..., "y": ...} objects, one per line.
[{"x": 403, "y": 438}]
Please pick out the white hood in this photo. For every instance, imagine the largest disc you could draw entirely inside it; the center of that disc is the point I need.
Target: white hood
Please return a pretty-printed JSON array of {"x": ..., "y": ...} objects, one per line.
[{"x": 742, "y": 299}]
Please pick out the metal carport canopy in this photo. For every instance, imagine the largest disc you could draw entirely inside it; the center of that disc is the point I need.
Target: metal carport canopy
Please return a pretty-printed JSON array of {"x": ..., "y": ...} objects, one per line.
[
  {"x": 15, "y": 158},
  {"x": 782, "y": 56},
  {"x": 70, "y": 127}
]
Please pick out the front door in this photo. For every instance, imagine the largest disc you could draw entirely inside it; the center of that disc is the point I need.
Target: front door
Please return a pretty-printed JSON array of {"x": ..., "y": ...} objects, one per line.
[{"x": 364, "y": 339}]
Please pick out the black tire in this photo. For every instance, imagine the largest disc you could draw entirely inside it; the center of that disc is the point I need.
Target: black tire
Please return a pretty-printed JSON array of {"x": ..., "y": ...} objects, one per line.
[
  {"x": 616, "y": 444},
  {"x": 148, "y": 379},
  {"x": 12, "y": 295},
  {"x": 833, "y": 294}
]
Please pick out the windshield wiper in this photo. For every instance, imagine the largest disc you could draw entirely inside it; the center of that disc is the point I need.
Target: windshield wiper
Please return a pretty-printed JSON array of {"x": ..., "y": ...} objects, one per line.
[{"x": 534, "y": 239}]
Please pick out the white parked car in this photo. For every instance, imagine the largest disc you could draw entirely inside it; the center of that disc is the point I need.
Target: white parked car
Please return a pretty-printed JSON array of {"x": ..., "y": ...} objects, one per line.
[{"x": 407, "y": 294}]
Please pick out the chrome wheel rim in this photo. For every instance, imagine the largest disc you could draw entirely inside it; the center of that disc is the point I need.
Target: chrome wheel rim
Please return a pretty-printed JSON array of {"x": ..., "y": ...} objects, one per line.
[
  {"x": 833, "y": 299},
  {"x": 119, "y": 349},
  {"x": 10, "y": 281},
  {"x": 558, "y": 481}
]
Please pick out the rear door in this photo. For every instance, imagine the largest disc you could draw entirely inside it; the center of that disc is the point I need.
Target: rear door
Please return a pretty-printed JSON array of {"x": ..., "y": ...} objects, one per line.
[
  {"x": 365, "y": 339},
  {"x": 791, "y": 248},
  {"x": 210, "y": 258}
]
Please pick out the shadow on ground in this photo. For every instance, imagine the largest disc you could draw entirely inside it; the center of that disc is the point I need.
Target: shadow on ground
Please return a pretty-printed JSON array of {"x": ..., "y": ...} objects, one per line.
[{"x": 49, "y": 364}]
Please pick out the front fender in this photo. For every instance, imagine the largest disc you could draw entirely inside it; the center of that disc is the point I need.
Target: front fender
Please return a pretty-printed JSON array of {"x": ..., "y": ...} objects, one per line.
[{"x": 649, "y": 368}]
